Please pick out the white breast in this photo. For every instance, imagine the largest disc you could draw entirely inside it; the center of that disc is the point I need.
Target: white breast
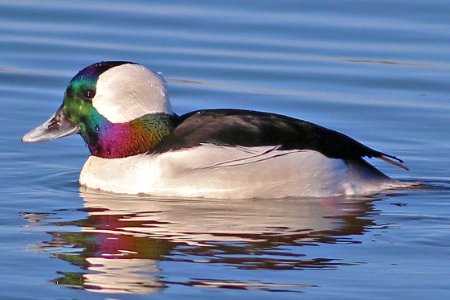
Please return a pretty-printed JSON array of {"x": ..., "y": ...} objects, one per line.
[{"x": 232, "y": 172}]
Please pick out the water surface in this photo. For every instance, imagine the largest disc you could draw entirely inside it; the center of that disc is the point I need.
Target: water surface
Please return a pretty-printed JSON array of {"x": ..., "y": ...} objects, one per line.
[{"x": 375, "y": 70}]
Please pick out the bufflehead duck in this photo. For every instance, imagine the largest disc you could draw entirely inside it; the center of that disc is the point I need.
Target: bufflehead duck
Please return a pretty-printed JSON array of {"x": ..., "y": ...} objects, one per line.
[{"x": 138, "y": 145}]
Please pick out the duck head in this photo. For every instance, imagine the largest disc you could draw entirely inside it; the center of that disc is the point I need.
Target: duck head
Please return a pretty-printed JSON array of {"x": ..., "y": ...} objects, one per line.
[{"x": 119, "y": 108}]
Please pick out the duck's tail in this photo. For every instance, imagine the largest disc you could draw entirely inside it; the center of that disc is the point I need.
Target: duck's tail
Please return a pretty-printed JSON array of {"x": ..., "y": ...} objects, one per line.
[{"x": 393, "y": 160}]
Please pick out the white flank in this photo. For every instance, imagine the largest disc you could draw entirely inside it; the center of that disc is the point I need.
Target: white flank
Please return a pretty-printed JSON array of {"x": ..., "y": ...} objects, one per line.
[
  {"x": 234, "y": 172},
  {"x": 129, "y": 91}
]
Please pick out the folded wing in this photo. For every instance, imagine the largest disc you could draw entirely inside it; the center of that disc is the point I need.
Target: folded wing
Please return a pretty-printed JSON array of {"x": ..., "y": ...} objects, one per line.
[{"x": 253, "y": 129}]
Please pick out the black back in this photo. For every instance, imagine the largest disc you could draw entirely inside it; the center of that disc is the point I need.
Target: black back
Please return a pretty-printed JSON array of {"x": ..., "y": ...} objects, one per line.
[{"x": 252, "y": 128}]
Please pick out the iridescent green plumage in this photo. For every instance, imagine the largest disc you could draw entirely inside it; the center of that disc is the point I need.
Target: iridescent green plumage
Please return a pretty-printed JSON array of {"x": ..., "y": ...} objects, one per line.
[{"x": 104, "y": 138}]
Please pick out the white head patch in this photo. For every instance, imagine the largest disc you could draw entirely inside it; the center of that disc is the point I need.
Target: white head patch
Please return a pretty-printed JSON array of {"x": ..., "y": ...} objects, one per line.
[{"x": 130, "y": 91}]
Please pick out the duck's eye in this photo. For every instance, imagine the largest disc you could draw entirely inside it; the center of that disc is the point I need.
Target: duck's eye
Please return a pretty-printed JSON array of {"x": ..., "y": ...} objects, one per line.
[{"x": 89, "y": 94}]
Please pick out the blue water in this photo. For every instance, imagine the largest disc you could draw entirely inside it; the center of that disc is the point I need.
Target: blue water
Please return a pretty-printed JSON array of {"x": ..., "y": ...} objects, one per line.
[{"x": 376, "y": 70}]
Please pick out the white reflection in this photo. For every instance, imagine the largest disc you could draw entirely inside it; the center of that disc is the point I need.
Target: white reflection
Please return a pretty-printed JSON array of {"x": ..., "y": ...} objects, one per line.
[
  {"x": 199, "y": 222},
  {"x": 122, "y": 276},
  {"x": 124, "y": 237}
]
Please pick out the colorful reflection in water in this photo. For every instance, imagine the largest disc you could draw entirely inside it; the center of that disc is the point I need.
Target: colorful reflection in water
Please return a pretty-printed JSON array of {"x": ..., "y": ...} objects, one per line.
[{"x": 120, "y": 244}]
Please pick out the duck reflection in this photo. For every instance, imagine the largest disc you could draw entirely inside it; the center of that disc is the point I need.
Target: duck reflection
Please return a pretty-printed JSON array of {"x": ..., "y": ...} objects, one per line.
[{"x": 120, "y": 243}]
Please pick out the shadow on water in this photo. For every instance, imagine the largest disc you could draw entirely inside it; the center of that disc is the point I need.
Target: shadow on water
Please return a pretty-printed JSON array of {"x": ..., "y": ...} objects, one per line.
[{"x": 121, "y": 240}]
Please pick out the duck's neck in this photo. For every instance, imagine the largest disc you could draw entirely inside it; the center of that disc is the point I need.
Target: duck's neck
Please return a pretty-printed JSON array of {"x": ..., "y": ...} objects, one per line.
[{"x": 117, "y": 140}]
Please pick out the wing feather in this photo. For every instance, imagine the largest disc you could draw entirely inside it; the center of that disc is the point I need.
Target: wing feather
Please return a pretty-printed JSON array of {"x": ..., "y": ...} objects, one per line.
[{"x": 253, "y": 129}]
